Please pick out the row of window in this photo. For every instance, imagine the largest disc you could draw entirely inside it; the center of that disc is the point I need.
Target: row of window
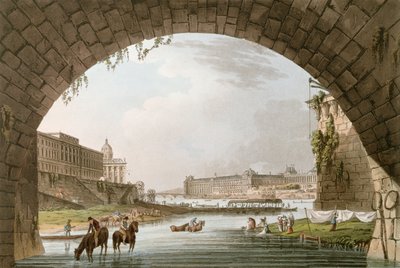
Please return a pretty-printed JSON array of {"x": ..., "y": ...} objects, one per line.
[{"x": 47, "y": 167}]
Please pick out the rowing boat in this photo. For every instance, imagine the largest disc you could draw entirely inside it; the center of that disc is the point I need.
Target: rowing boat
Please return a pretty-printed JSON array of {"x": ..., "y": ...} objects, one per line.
[{"x": 61, "y": 237}]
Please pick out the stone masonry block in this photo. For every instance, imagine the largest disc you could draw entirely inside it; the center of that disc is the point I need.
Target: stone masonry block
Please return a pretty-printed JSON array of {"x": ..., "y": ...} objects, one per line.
[
  {"x": 279, "y": 11},
  {"x": 308, "y": 21},
  {"x": 55, "y": 60},
  {"x": 363, "y": 65},
  {"x": 11, "y": 60},
  {"x": 87, "y": 34},
  {"x": 97, "y": 20},
  {"x": 179, "y": 16},
  {"x": 32, "y": 11},
  {"x": 384, "y": 112},
  {"x": 367, "y": 86},
  {"x": 272, "y": 29},
  {"x": 206, "y": 27},
  {"x": 352, "y": 21},
  {"x": 12, "y": 76},
  {"x": 13, "y": 41},
  {"x": 32, "y": 35},
  {"x": 336, "y": 40},
  {"x": 147, "y": 29},
  {"x": 54, "y": 37},
  {"x": 211, "y": 14},
  {"x": 259, "y": 14},
  {"x": 337, "y": 66},
  {"x": 69, "y": 33},
  {"x": 253, "y": 32},
  {"x": 32, "y": 59},
  {"x": 114, "y": 20},
  {"x": 327, "y": 20},
  {"x": 79, "y": 18},
  {"x": 80, "y": 50},
  {"x": 351, "y": 52},
  {"x": 298, "y": 39},
  {"x": 346, "y": 81},
  {"x": 289, "y": 26},
  {"x": 18, "y": 19},
  {"x": 184, "y": 27},
  {"x": 156, "y": 16},
  {"x": 365, "y": 122}
]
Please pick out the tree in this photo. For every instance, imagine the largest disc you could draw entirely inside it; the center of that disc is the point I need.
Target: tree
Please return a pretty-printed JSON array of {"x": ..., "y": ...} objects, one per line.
[{"x": 151, "y": 195}]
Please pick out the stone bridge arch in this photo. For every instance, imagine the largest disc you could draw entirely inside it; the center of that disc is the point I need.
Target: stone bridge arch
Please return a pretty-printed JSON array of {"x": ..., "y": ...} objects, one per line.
[{"x": 351, "y": 47}]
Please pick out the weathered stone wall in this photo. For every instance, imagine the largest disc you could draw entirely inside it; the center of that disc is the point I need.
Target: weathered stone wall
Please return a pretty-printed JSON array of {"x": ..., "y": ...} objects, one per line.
[
  {"x": 354, "y": 190},
  {"x": 49, "y": 202},
  {"x": 85, "y": 193},
  {"x": 27, "y": 240}
]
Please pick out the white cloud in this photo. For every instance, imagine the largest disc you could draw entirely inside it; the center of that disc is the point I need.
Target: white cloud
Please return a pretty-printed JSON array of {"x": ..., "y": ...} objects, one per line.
[{"x": 193, "y": 108}]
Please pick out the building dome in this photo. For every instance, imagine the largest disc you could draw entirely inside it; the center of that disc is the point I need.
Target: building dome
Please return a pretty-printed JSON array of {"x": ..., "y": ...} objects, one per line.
[{"x": 107, "y": 151}]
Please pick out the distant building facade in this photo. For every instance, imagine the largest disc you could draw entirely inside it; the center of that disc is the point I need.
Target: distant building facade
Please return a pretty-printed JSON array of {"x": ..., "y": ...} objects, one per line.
[
  {"x": 247, "y": 183},
  {"x": 114, "y": 169},
  {"x": 61, "y": 154}
]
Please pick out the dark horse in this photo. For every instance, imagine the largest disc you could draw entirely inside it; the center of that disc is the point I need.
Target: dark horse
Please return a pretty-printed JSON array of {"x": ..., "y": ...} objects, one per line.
[
  {"x": 130, "y": 237},
  {"x": 88, "y": 243}
]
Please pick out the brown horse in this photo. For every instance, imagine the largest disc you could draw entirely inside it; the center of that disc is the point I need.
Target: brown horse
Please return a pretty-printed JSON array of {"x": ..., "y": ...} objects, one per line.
[
  {"x": 130, "y": 237},
  {"x": 197, "y": 227},
  {"x": 88, "y": 243},
  {"x": 180, "y": 228}
]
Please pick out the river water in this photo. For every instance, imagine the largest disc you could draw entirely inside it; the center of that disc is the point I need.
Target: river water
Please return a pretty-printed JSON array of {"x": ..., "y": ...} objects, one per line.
[{"x": 222, "y": 243}]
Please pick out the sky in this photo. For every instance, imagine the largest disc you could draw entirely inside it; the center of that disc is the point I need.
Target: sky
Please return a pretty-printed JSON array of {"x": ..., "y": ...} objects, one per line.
[{"x": 204, "y": 105}]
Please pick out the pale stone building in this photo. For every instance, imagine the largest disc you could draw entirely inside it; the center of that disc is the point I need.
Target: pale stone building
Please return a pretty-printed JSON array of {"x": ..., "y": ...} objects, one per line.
[
  {"x": 114, "y": 169},
  {"x": 61, "y": 154},
  {"x": 249, "y": 182}
]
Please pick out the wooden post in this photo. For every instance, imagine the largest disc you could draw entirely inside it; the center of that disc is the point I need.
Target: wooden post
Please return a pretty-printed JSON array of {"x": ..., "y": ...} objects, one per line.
[{"x": 308, "y": 223}]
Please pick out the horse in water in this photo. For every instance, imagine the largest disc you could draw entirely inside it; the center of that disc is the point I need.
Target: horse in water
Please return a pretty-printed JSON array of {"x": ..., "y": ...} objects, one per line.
[
  {"x": 197, "y": 227},
  {"x": 130, "y": 237},
  {"x": 88, "y": 243},
  {"x": 180, "y": 228}
]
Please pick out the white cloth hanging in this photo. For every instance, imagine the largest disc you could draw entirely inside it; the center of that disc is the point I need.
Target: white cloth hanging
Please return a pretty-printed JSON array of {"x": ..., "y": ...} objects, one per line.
[
  {"x": 319, "y": 216},
  {"x": 366, "y": 216},
  {"x": 344, "y": 215}
]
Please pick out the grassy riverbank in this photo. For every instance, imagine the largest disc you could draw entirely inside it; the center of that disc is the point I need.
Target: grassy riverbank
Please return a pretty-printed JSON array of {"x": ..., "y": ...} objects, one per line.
[
  {"x": 54, "y": 221},
  {"x": 353, "y": 230}
]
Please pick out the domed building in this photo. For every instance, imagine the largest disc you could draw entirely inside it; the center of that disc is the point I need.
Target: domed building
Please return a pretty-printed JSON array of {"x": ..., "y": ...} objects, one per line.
[{"x": 114, "y": 169}]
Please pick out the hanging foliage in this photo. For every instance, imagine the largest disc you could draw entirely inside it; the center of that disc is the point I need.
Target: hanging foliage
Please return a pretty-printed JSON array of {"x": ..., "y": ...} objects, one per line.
[
  {"x": 74, "y": 88},
  {"x": 116, "y": 59},
  {"x": 111, "y": 62},
  {"x": 158, "y": 41},
  {"x": 324, "y": 145}
]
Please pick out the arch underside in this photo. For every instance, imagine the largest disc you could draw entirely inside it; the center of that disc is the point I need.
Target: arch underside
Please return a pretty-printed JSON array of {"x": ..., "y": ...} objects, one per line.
[{"x": 351, "y": 47}]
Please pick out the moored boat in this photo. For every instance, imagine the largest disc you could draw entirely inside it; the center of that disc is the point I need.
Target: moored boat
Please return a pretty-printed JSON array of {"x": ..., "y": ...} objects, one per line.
[{"x": 61, "y": 237}]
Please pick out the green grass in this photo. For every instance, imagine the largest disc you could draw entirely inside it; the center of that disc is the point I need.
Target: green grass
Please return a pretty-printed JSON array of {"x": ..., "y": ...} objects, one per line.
[
  {"x": 353, "y": 230},
  {"x": 60, "y": 217}
]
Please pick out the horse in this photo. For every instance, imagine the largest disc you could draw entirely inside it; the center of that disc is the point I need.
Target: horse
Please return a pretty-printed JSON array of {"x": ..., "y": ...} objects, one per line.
[
  {"x": 180, "y": 228},
  {"x": 105, "y": 220},
  {"x": 130, "y": 237},
  {"x": 88, "y": 243},
  {"x": 197, "y": 227}
]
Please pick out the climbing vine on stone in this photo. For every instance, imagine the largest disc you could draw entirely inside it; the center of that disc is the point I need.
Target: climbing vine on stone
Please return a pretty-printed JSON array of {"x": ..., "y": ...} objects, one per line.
[
  {"x": 316, "y": 101},
  {"x": 324, "y": 145},
  {"x": 111, "y": 62}
]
